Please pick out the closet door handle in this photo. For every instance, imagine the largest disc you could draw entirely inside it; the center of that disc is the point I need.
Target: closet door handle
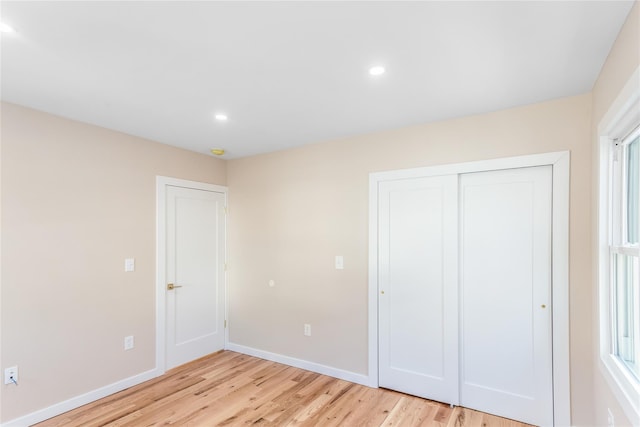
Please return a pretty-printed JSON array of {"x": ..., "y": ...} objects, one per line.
[{"x": 171, "y": 286}]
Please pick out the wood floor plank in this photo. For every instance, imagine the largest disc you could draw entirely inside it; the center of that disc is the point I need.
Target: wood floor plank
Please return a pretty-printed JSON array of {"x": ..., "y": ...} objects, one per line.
[
  {"x": 412, "y": 411},
  {"x": 197, "y": 398},
  {"x": 232, "y": 389},
  {"x": 302, "y": 402},
  {"x": 339, "y": 407},
  {"x": 265, "y": 392},
  {"x": 290, "y": 406},
  {"x": 274, "y": 379}
]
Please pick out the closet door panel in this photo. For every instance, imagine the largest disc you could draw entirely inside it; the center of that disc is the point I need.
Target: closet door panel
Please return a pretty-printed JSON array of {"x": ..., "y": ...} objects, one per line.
[
  {"x": 505, "y": 293},
  {"x": 417, "y": 300}
]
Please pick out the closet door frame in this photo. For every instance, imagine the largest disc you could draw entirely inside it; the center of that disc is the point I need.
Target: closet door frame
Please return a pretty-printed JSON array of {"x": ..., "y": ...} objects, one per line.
[{"x": 559, "y": 161}]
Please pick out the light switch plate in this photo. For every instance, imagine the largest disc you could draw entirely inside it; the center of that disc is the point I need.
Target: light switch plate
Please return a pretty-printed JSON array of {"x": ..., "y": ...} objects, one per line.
[
  {"x": 129, "y": 264},
  {"x": 339, "y": 262}
]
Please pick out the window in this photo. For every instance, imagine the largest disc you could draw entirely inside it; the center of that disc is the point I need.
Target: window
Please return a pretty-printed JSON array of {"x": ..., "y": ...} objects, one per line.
[
  {"x": 624, "y": 263},
  {"x": 619, "y": 247}
]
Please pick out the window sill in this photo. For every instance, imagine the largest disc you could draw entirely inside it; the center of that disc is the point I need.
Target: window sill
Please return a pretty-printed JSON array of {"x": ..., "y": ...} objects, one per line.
[{"x": 624, "y": 386}]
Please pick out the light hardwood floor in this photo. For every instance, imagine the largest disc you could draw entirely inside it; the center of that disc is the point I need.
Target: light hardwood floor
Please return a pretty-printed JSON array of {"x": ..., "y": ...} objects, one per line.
[{"x": 232, "y": 389}]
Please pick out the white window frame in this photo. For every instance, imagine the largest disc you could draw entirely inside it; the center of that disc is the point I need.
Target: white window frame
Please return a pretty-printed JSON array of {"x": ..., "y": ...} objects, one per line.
[{"x": 620, "y": 120}]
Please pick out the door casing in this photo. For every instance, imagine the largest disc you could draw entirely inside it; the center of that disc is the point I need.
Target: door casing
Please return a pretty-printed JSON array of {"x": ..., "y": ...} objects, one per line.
[
  {"x": 161, "y": 203},
  {"x": 559, "y": 161}
]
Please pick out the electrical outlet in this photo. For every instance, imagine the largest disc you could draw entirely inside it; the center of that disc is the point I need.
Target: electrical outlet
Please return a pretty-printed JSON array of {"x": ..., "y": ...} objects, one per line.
[
  {"x": 307, "y": 329},
  {"x": 611, "y": 422},
  {"x": 11, "y": 375},
  {"x": 128, "y": 342}
]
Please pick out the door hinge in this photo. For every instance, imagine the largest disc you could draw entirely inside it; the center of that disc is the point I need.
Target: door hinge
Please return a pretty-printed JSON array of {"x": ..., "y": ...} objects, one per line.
[
  {"x": 226, "y": 211},
  {"x": 225, "y": 323},
  {"x": 225, "y": 266}
]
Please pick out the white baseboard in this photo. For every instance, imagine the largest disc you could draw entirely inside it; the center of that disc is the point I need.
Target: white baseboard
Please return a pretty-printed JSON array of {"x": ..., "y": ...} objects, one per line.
[
  {"x": 303, "y": 364},
  {"x": 83, "y": 399}
]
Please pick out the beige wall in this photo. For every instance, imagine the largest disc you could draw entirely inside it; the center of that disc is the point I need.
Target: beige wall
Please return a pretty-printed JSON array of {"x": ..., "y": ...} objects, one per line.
[
  {"x": 623, "y": 60},
  {"x": 76, "y": 201},
  {"x": 293, "y": 211}
]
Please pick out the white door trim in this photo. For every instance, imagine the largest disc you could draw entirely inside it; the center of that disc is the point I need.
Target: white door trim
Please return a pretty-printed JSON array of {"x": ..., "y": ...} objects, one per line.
[
  {"x": 161, "y": 203},
  {"x": 560, "y": 259}
]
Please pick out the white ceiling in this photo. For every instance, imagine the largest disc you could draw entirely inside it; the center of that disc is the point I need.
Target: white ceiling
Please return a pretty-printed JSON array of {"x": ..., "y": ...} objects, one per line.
[{"x": 293, "y": 73}]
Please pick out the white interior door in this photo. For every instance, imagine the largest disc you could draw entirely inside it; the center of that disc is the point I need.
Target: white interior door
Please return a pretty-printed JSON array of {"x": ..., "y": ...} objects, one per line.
[
  {"x": 195, "y": 256},
  {"x": 505, "y": 290},
  {"x": 418, "y": 344}
]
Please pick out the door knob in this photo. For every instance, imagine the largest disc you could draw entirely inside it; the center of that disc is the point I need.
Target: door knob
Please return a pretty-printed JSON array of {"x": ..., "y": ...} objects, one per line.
[{"x": 171, "y": 286}]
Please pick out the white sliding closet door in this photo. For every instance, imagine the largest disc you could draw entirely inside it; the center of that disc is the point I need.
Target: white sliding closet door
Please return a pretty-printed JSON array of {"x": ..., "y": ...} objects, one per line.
[
  {"x": 418, "y": 344},
  {"x": 464, "y": 282},
  {"x": 505, "y": 293}
]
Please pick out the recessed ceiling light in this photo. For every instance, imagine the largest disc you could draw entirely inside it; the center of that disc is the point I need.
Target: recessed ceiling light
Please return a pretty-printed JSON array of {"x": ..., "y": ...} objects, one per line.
[
  {"x": 4, "y": 28},
  {"x": 377, "y": 70},
  {"x": 217, "y": 151},
  {"x": 221, "y": 117}
]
